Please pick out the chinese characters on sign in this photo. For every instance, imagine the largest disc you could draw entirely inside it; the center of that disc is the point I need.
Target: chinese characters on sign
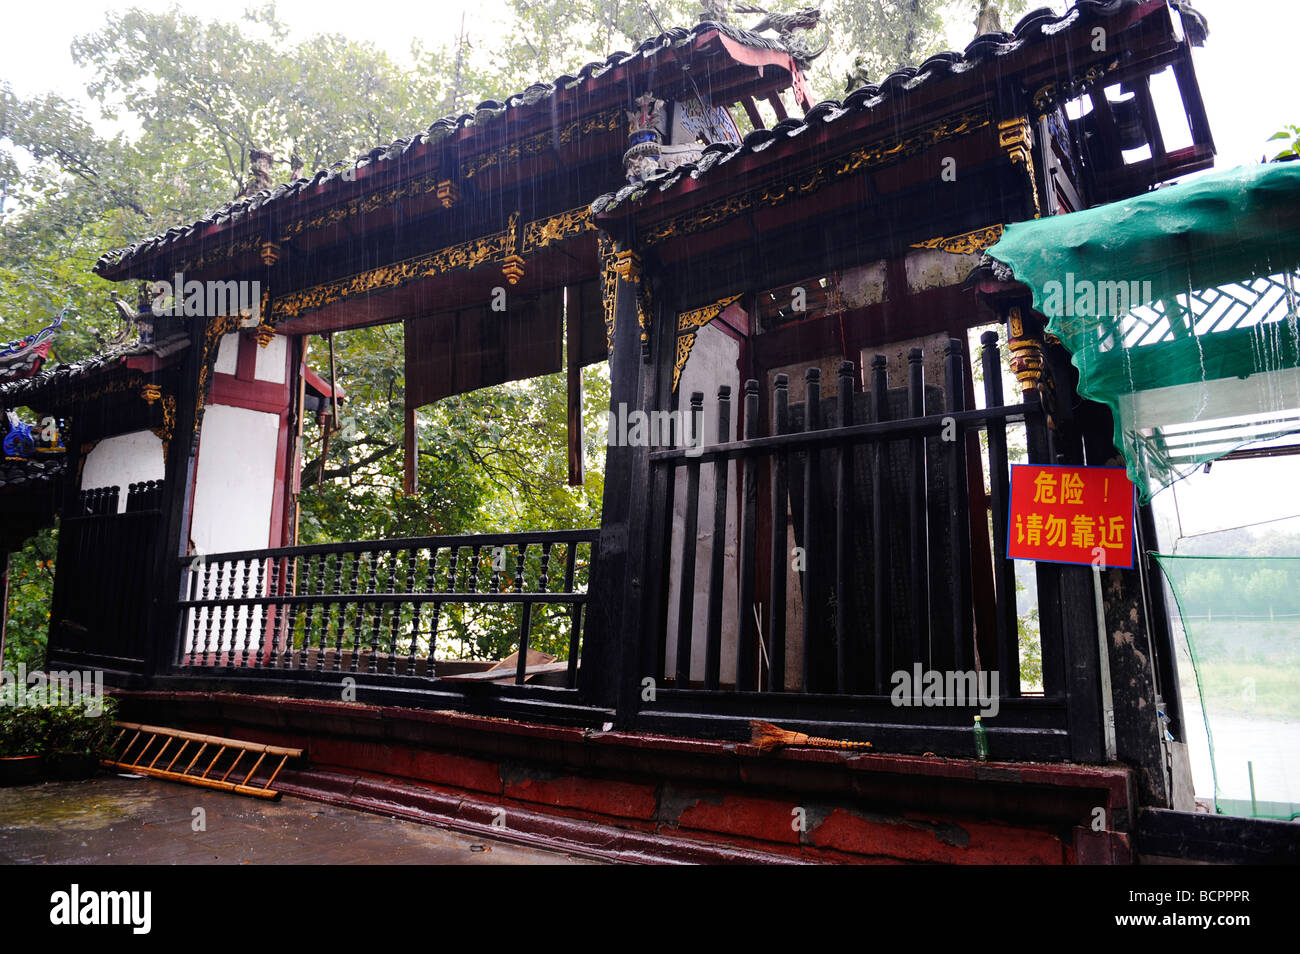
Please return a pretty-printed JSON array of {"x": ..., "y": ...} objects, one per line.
[{"x": 1071, "y": 515}]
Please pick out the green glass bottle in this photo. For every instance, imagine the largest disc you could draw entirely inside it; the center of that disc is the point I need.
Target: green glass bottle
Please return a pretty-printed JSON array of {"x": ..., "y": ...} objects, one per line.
[{"x": 981, "y": 741}]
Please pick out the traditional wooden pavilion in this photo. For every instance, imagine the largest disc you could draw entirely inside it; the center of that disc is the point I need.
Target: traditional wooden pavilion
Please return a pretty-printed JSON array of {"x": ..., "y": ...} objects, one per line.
[{"x": 798, "y": 295}]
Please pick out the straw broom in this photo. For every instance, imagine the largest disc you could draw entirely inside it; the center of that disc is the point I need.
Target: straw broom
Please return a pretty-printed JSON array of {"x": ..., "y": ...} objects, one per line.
[{"x": 768, "y": 738}]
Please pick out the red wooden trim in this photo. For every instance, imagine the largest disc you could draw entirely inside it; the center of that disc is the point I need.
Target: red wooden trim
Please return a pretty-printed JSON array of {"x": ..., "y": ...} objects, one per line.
[
  {"x": 321, "y": 386},
  {"x": 246, "y": 362},
  {"x": 253, "y": 395}
]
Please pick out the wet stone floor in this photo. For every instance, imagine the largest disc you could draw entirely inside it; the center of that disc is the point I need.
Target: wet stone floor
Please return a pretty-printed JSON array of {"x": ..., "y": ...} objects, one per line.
[{"x": 116, "y": 820}]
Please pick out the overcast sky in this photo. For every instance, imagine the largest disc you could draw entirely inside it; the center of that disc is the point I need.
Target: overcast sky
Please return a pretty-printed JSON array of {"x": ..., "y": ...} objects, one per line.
[{"x": 1247, "y": 70}]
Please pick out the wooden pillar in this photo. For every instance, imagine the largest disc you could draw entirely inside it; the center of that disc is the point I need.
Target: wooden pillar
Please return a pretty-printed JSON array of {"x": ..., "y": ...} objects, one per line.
[
  {"x": 617, "y": 645},
  {"x": 573, "y": 391},
  {"x": 1132, "y": 649}
]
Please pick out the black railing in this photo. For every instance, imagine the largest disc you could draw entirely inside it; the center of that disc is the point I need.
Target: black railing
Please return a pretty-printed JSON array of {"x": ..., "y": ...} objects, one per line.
[
  {"x": 99, "y": 611},
  {"x": 864, "y": 566},
  {"x": 394, "y": 607}
]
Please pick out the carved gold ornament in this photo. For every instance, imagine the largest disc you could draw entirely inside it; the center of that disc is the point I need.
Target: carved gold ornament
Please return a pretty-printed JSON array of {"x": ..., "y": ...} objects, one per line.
[
  {"x": 688, "y": 323},
  {"x": 1013, "y": 138},
  {"x": 965, "y": 243}
]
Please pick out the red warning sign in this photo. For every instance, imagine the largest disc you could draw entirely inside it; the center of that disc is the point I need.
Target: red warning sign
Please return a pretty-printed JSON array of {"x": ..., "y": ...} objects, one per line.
[{"x": 1071, "y": 515}]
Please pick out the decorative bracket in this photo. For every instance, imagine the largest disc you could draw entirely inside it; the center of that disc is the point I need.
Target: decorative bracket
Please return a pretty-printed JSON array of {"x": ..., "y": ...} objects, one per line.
[
  {"x": 688, "y": 323},
  {"x": 1014, "y": 140}
]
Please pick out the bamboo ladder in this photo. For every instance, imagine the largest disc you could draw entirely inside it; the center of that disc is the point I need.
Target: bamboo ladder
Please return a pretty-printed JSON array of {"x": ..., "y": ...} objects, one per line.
[{"x": 229, "y": 754}]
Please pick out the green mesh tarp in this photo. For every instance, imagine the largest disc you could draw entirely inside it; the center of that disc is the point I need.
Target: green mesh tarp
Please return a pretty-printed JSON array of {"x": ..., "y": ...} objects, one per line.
[
  {"x": 1242, "y": 619},
  {"x": 1179, "y": 308}
]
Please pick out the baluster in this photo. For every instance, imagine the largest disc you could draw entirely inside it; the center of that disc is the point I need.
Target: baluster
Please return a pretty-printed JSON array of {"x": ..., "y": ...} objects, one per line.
[
  {"x": 812, "y": 588},
  {"x": 221, "y": 649},
  {"x": 690, "y": 543},
  {"x": 475, "y": 560},
  {"x": 199, "y": 643},
  {"x": 843, "y": 534},
  {"x": 336, "y": 611},
  {"x": 413, "y": 558},
  {"x": 453, "y": 556},
  {"x": 543, "y": 579},
  {"x": 246, "y": 611},
  {"x": 354, "y": 591},
  {"x": 311, "y": 618},
  {"x": 718, "y": 547},
  {"x": 575, "y": 613},
  {"x": 261, "y": 608},
  {"x": 999, "y": 498},
  {"x": 395, "y": 619},
  {"x": 305, "y": 609},
  {"x": 880, "y": 575},
  {"x": 958, "y": 522},
  {"x": 917, "y": 491},
  {"x": 780, "y": 536},
  {"x": 747, "y": 662},
  {"x": 376, "y": 566},
  {"x": 525, "y": 616},
  {"x": 275, "y": 612}
]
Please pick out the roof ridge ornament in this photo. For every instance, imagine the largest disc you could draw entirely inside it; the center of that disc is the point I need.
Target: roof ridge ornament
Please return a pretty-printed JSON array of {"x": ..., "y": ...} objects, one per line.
[{"x": 791, "y": 29}]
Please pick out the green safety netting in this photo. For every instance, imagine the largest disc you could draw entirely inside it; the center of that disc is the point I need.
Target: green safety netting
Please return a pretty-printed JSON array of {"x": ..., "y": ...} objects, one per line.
[
  {"x": 1179, "y": 308},
  {"x": 1241, "y": 616}
]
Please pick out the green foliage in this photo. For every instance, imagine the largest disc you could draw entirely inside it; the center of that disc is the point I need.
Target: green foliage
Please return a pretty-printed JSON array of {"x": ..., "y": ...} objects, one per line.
[
  {"x": 31, "y": 585},
  {"x": 1290, "y": 137},
  {"x": 61, "y": 730}
]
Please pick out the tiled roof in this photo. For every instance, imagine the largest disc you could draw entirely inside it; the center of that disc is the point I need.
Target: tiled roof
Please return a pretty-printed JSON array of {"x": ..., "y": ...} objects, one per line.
[
  {"x": 47, "y": 382},
  {"x": 485, "y": 112},
  {"x": 1036, "y": 26}
]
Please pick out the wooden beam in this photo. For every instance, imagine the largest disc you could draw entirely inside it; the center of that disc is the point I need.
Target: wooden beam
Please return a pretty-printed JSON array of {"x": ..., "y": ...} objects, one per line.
[
  {"x": 411, "y": 447},
  {"x": 573, "y": 339}
]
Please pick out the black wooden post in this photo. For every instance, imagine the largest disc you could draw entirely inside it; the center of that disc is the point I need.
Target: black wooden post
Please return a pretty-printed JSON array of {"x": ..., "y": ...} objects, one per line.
[
  {"x": 780, "y": 534},
  {"x": 843, "y": 532},
  {"x": 718, "y": 544},
  {"x": 746, "y": 625},
  {"x": 686, "y": 584},
  {"x": 812, "y": 608},
  {"x": 616, "y": 631},
  {"x": 1004, "y": 570}
]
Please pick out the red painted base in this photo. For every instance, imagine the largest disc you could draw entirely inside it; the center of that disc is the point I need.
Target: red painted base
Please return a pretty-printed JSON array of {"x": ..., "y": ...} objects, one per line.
[{"x": 651, "y": 798}]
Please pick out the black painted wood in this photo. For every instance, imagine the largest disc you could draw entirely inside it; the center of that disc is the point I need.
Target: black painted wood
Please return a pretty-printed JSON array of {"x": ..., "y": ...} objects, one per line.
[
  {"x": 780, "y": 534},
  {"x": 843, "y": 531},
  {"x": 916, "y": 509},
  {"x": 813, "y": 628},
  {"x": 1004, "y": 571},
  {"x": 686, "y": 579},
  {"x": 717, "y": 554},
  {"x": 958, "y": 519},
  {"x": 748, "y": 650}
]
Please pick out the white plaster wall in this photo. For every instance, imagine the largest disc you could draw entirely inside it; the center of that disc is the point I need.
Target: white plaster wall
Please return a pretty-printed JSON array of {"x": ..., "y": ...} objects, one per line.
[
  {"x": 934, "y": 268},
  {"x": 270, "y": 361},
  {"x": 712, "y": 363},
  {"x": 123, "y": 460},
  {"x": 228, "y": 354},
  {"x": 233, "y": 491},
  {"x": 235, "y": 482}
]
